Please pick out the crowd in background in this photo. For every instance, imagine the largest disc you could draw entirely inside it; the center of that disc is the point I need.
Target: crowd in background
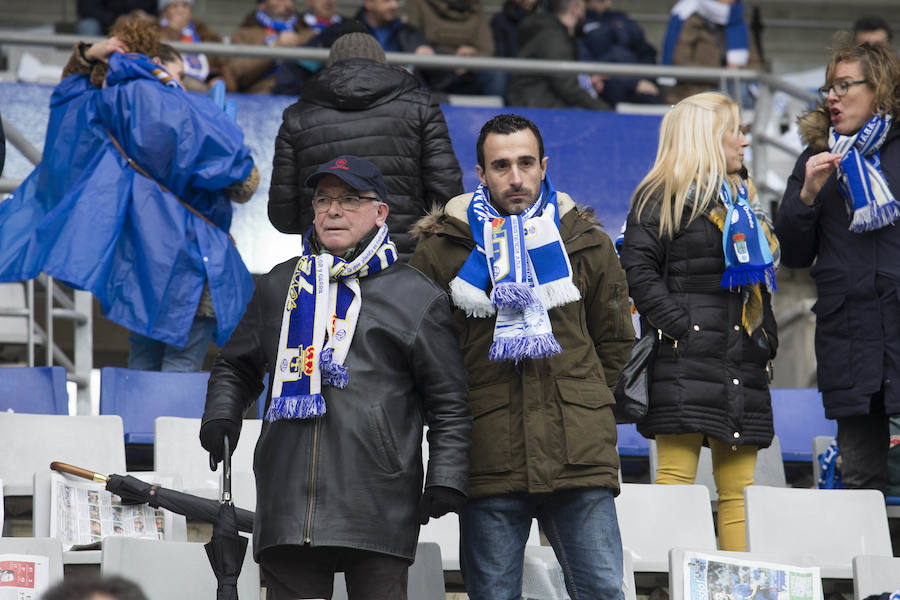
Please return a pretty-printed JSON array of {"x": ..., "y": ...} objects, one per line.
[{"x": 705, "y": 33}]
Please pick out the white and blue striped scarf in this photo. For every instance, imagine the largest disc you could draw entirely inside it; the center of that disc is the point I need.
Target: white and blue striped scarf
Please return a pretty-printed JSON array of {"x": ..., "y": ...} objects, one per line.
[
  {"x": 323, "y": 298},
  {"x": 526, "y": 270},
  {"x": 869, "y": 199}
]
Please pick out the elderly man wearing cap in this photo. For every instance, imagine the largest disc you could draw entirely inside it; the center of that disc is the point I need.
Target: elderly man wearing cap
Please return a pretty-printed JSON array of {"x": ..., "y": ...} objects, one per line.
[{"x": 361, "y": 352}]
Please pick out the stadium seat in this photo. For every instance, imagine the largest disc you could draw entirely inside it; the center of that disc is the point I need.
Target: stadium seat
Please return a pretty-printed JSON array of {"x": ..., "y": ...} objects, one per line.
[
  {"x": 32, "y": 442},
  {"x": 542, "y": 558},
  {"x": 172, "y": 570},
  {"x": 875, "y": 575},
  {"x": 769, "y": 468},
  {"x": 141, "y": 396},
  {"x": 825, "y": 528},
  {"x": 649, "y": 532},
  {"x": 178, "y": 451},
  {"x": 426, "y": 577},
  {"x": 34, "y": 390},
  {"x": 799, "y": 417},
  {"x": 676, "y": 568},
  {"x": 41, "y": 514},
  {"x": 630, "y": 443},
  {"x": 46, "y": 547}
]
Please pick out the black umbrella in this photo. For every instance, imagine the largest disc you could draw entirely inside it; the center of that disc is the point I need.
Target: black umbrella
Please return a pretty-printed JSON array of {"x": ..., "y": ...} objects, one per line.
[
  {"x": 226, "y": 548},
  {"x": 135, "y": 491}
]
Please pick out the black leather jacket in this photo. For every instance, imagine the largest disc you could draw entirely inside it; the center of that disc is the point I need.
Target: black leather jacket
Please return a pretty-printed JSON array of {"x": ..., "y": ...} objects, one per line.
[{"x": 353, "y": 478}]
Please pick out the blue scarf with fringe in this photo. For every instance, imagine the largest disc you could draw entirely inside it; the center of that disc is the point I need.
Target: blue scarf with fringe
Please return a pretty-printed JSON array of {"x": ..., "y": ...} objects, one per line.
[
  {"x": 521, "y": 259},
  {"x": 869, "y": 199},
  {"x": 274, "y": 26},
  {"x": 317, "y": 326},
  {"x": 748, "y": 259}
]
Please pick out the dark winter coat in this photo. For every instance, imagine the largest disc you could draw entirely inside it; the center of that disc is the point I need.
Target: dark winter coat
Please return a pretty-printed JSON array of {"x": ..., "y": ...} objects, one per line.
[
  {"x": 543, "y": 36},
  {"x": 503, "y": 26},
  {"x": 401, "y": 37},
  {"x": 353, "y": 478},
  {"x": 715, "y": 381},
  {"x": 376, "y": 112},
  {"x": 545, "y": 424},
  {"x": 856, "y": 356}
]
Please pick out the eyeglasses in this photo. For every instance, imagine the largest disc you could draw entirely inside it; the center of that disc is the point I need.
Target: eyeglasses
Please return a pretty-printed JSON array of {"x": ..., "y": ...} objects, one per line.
[
  {"x": 321, "y": 203},
  {"x": 840, "y": 89}
]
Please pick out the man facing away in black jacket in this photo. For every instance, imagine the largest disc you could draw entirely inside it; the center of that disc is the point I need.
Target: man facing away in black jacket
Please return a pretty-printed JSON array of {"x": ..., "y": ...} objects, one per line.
[
  {"x": 360, "y": 105},
  {"x": 361, "y": 352}
]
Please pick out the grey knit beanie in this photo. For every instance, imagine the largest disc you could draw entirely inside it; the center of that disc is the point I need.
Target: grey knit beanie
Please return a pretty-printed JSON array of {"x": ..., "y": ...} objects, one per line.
[{"x": 355, "y": 45}]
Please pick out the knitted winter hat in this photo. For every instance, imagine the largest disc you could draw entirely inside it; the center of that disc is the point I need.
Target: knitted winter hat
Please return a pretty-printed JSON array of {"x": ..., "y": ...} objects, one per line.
[{"x": 356, "y": 45}]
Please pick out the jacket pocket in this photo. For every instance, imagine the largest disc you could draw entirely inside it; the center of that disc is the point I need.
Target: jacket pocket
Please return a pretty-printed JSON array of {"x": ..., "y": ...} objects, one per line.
[
  {"x": 384, "y": 439},
  {"x": 588, "y": 421},
  {"x": 833, "y": 342},
  {"x": 490, "y": 429}
]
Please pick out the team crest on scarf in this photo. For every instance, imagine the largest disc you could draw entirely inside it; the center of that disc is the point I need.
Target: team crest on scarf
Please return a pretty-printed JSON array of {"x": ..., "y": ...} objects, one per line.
[
  {"x": 748, "y": 259},
  {"x": 522, "y": 261},
  {"x": 317, "y": 326}
]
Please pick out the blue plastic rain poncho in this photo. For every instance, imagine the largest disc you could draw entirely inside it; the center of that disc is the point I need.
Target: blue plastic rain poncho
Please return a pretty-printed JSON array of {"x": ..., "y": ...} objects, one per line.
[{"x": 87, "y": 218}]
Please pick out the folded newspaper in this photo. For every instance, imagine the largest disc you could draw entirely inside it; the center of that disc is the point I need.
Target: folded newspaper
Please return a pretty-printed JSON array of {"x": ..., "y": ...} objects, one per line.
[
  {"x": 724, "y": 578},
  {"x": 23, "y": 576},
  {"x": 82, "y": 513}
]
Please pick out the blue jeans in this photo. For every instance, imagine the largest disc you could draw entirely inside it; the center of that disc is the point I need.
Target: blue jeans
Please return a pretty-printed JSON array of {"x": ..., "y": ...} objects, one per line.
[
  {"x": 147, "y": 354},
  {"x": 581, "y": 525}
]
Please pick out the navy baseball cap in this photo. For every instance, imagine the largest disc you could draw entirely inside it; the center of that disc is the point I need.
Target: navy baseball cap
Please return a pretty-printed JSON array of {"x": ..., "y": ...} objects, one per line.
[{"x": 356, "y": 172}]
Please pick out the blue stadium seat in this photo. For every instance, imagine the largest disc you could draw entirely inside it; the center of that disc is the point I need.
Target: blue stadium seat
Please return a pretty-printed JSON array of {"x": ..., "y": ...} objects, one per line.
[
  {"x": 631, "y": 443},
  {"x": 141, "y": 396},
  {"x": 34, "y": 390},
  {"x": 799, "y": 417}
]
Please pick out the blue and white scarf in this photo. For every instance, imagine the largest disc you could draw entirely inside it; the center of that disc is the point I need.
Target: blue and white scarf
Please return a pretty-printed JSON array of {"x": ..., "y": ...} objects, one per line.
[
  {"x": 320, "y": 314},
  {"x": 274, "y": 26},
  {"x": 195, "y": 65},
  {"x": 748, "y": 259},
  {"x": 526, "y": 270},
  {"x": 869, "y": 199}
]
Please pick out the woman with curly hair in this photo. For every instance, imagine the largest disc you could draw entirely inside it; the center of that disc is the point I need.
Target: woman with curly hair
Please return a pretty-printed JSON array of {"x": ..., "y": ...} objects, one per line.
[
  {"x": 700, "y": 268},
  {"x": 840, "y": 210},
  {"x": 132, "y": 200}
]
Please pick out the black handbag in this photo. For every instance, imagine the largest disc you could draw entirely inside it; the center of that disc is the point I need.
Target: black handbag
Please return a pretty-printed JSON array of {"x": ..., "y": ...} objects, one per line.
[{"x": 633, "y": 385}]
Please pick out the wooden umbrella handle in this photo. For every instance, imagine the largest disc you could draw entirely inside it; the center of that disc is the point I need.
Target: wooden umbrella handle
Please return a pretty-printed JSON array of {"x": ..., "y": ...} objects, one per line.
[{"x": 78, "y": 472}]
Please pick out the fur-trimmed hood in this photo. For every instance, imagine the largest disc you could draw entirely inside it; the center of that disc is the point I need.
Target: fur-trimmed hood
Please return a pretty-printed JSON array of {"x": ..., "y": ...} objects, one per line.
[
  {"x": 813, "y": 126},
  {"x": 452, "y": 216}
]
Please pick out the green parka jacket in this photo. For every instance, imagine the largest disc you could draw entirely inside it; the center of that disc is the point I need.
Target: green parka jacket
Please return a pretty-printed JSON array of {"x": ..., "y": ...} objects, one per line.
[{"x": 545, "y": 424}]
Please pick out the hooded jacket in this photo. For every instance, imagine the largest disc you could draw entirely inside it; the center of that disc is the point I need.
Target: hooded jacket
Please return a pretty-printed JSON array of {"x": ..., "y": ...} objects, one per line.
[
  {"x": 541, "y": 425},
  {"x": 855, "y": 356},
  {"x": 714, "y": 381},
  {"x": 353, "y": 477},
  {"x": 86, "y": 216},
  {"x": 377, "y": 112},
  {"x": 543, "y": 36}
]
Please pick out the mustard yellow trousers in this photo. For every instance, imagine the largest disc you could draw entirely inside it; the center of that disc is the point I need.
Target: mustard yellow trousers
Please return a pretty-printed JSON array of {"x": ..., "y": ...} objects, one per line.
[{"x": 733, "y": 466}]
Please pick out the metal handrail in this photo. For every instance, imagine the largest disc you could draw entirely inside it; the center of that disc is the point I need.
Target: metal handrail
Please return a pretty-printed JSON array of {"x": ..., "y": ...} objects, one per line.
[{"x": 437, "y": 61}]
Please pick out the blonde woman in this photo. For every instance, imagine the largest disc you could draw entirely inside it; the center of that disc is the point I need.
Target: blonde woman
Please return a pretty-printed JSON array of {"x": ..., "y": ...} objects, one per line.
[{"x": 699, "y": 265}]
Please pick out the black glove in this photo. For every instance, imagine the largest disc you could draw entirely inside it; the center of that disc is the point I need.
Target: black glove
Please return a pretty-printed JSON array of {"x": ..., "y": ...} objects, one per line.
[
  {"x": 438, "y": 500},
  {"x": 212, "y": 438}
]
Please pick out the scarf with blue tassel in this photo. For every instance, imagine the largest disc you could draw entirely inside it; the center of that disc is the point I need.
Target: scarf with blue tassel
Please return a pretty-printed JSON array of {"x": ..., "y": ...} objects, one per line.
[
  {"x": 869, "y": 199},
  {"x": 317, "y": 326},
  {"x": 749, "y": 246},
  {"x": 522, "y": 261}
]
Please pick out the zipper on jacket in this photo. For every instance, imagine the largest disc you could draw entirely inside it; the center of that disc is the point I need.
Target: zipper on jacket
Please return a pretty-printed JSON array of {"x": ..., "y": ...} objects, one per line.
[
  {"x": 312, "y": 484},
  {"x": 581, "y": 315}
]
